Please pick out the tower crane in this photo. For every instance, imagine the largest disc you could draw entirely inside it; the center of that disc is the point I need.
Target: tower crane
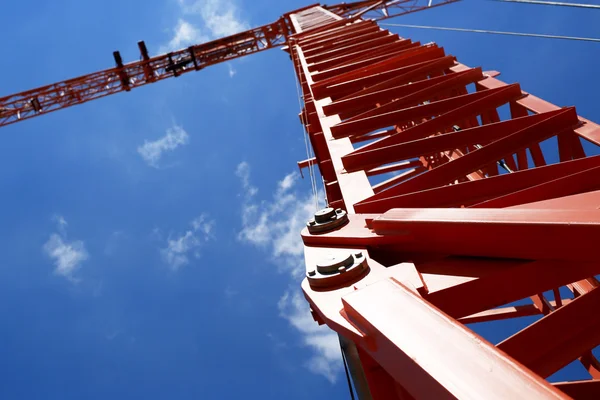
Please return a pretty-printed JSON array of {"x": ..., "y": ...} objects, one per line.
[{"x": 400, "y": 269}]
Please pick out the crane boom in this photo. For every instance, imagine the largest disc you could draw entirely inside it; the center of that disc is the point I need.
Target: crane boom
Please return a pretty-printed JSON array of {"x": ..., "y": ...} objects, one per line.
[{"x": 124, "y": 77}]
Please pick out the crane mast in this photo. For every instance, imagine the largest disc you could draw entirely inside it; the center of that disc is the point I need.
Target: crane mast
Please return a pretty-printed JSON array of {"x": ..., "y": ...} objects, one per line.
[{"x": 423, "y": 235}]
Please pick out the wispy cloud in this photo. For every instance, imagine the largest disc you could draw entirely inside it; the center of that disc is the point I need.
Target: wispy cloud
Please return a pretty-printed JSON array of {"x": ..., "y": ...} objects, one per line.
[
  {"x": 178, "y": 250},
  {"x": 114, "y": 242},
  {"x": 219, "y": 17},
  {"x": 184, "y": 34},
  {"x": 67, "y": 255},
  {"x": 205, "y": 227},
  {"x": 152, "y": 152},
  {"x": 61, "y": 224},
  {"x": 230, "y": 292},
  {"x": 326, "y": 358},
  {"x": 275, "y": 226},
  {"x": 242, "y": 171},
  {"x": 203, "y": 20},
  {"x": 232, "y": 71}
]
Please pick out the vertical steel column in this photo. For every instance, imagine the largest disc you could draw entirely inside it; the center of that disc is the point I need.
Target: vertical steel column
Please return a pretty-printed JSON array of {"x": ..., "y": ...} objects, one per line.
[{"x": 429, "y": 234}]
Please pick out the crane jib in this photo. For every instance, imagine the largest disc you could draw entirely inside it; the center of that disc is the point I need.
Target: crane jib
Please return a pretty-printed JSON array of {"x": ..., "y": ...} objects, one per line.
[{"x": 125, "y": 77}]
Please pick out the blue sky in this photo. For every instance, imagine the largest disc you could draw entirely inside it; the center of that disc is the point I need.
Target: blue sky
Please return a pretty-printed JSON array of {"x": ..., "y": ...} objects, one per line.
[{"x": 150, "y": 240}]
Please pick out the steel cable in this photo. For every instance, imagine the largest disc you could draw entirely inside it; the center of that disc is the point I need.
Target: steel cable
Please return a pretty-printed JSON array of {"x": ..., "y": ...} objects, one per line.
[
  {"x": 552, "y": 3},
  {"x": 440, "y": 28}
]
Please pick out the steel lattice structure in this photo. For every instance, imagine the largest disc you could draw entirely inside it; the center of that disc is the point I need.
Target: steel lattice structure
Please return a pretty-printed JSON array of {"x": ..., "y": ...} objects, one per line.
[
  {"x": 472, "y": 219},
  {"x": 124, "y": 77}
]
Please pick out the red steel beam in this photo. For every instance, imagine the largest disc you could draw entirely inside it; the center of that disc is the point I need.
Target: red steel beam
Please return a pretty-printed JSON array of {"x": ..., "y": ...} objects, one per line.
[
  {"x": 475, "y": 160},
  {"x": 580, "y": 390},
  {"x": 404, "y": 149},
  {"x": 473, "y": 192},
  {"x": 519, "y": 279},
  {"x": 418, "y": 345},
  {"x": 534, "y": 234},
  {"x": 587, "y": 130},
  {"x": 396, "y": 114},
  {"x": 419, "y": 91},
  {"x": 421, "y": 67},
  {"x": 363, "y": 56},
  {"x": 498, "y": 314},
  {"x": 572, "y": 329},
  {"x": 355, "y": 81},
  {"x": 395, "y": 180},
  {"x": 400, "y": 59},
  {"x": 394, "y": 167},
  {"x": 580, "y": 182}
]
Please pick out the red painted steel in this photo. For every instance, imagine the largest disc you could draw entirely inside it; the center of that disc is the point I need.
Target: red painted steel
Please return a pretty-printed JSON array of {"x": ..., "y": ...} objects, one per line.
[
  {"x": 440, "y": 358},
  {"x": 512, "y": 226},
  {"x": 581, "y": 390},
  {"x": 124, "y": 77},
  {"x": 546, "y": 354},
  {"x": 453, "y": 211}
]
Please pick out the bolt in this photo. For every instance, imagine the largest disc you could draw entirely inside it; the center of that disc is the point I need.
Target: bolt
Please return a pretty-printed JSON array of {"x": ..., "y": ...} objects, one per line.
[
  {"x": 358, "y": 255},
  {"x": 324, "y": 215},
  {"x": 312, "y": 272}
]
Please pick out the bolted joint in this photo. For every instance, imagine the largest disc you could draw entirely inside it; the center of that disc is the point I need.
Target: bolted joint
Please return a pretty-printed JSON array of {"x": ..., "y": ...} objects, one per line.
[
  {"x": 327, "y": 220},
  {"x": 338, "y": 270}
]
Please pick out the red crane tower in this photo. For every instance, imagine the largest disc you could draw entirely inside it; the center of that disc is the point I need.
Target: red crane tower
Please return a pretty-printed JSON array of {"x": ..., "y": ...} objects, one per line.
[{"x": 473, "y": 220}]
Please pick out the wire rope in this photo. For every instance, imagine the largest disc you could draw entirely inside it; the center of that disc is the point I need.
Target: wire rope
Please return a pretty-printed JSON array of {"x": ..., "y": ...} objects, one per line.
[{"x": 440, "y": 28}]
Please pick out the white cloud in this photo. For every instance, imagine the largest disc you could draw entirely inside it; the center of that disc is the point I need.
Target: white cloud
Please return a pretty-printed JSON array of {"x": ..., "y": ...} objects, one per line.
[
  {"x": 219, "y": 17},
  {"x": 200, "y": 224},
  {"x": 152, "y": 152},
  {"x": 326, "y": 359},
  {"x": 60, "y": 222},
  {"x": 275, "y": 226},
  {"x": 178, "y": 251},
  {"x": 184, "y": 35},
  {"x": 242, "y": 171},
  {"x": 201, "y": 21},
  {"x": 67, "y": 255},
  {"x": 204, "y": 20},
  {"x": 232, "y": 71},
  {"x": 288, "y": 181}
]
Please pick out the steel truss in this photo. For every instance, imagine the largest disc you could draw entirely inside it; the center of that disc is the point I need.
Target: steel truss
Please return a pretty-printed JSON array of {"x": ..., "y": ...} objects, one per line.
[
  {"x": 124, "y": 77},
  {"x": 448, "y": 238}
]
